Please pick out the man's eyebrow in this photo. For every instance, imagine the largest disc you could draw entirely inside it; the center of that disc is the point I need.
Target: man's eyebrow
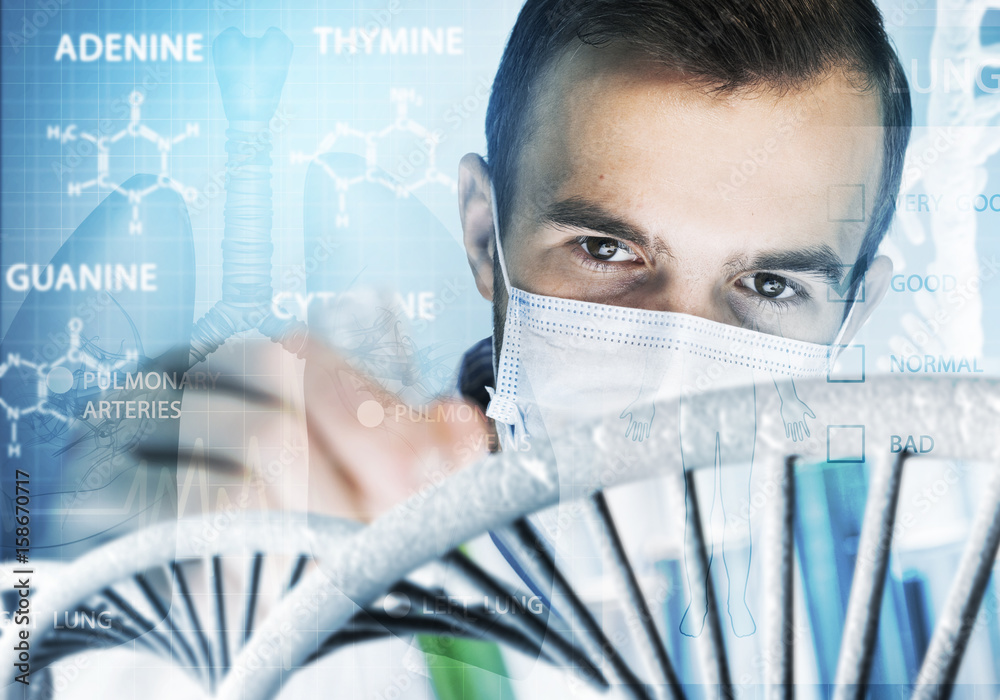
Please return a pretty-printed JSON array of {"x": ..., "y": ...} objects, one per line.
[
  {"x": 820, "y": 259},
  {"x": 577, "y": 212}
]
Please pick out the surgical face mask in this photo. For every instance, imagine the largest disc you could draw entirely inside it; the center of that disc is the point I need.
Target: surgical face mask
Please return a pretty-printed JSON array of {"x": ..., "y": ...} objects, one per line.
[{"x": 564, "y": 360}]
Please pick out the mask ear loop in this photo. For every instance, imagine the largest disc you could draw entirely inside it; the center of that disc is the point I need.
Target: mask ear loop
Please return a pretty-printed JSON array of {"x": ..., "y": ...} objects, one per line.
[
  {"x": 843, "y": 328},
  {"x": 496, "y": 238},
  {"x": 838, "y": 346},
  {"x": 503, "y": 263}
]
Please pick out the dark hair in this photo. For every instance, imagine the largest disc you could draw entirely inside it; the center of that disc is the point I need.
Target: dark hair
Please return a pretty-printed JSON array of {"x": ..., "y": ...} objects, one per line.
[{"x": 725, "y": 45}]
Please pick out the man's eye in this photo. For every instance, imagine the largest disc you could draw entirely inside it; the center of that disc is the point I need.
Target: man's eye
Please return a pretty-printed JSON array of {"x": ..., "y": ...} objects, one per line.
[
  {"x": 608, "y": 249},
  {"x": 769, "y": 285}
]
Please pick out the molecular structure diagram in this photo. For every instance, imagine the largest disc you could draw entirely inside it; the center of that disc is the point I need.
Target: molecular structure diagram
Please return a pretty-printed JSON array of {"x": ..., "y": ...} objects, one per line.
[
  {"x": 424, "y": 157},
  {"x": 136, "y": 130},
  {"x": 55, "y": 378}
]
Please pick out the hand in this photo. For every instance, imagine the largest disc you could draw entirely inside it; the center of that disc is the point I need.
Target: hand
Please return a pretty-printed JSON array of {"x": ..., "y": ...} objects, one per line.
[
  {"x": 793, "y": 415},
  {"x": 640, "y": 419},
  {"x": 369, "y": 450},
  {"x": 342, "y": 446}
]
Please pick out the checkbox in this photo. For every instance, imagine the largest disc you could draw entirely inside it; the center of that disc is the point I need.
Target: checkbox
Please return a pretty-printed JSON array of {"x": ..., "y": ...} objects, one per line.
[
  {"x": 845, "y": 444},
  {"x": 845, "y": 203},
  {"x": 841, "y": 293},
  {"x": 849, "y": 366}
]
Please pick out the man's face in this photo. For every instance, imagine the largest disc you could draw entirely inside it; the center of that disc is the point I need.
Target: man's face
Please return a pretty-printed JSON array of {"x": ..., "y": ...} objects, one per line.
[{"x": 635, "y": 189}]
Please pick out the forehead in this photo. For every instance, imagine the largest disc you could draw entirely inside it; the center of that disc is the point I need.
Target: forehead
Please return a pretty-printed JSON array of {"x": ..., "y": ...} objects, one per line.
[{"x": 630, "y": 134}]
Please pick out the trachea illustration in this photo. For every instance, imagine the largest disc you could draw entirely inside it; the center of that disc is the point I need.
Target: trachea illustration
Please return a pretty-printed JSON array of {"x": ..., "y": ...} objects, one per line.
[{"x": 251, "y": 73}]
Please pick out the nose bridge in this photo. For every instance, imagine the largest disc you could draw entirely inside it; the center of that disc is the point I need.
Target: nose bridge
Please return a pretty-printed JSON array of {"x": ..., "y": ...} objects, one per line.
[{"x": 686, "y": 292}]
